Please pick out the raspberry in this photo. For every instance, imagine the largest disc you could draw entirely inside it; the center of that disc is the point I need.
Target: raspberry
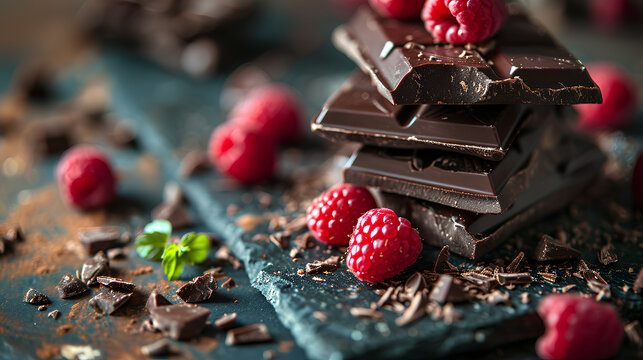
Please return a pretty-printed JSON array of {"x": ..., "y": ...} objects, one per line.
[
  {"x": 578, "y": 328},
  {"x": 463, "y": 21},
  {"x": 333, "y": 214},
  {"x": 637, "y": 181},
  {"x": 612, "y": 14},
  {"x": 382, "y": 245},
  {"x": 398, "y": 9},
  {"x": 85, "y": 178},
  {"x": 272, "y": 110},
  {"x": 619, "y": 99},
  {"x": 242, "y": 153}
]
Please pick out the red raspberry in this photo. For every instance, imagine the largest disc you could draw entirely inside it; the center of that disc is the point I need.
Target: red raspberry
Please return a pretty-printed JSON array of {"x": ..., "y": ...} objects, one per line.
[
  {"x": 241, "y": 153},
  {"x": 612, "y": 14},
  {"x": 333, "y": 214},
  {"x": 272, "y": 110},
  {"x": 578, "y": 328},
  {"x": 85, "y": 178},
  {"x": 382, "y": 245},
  {"x": 463, "y": 21},
  {"x": 398, "y": 9},
  {"x": 637, "y": 181},
  {"x": 619, "y": 99}
]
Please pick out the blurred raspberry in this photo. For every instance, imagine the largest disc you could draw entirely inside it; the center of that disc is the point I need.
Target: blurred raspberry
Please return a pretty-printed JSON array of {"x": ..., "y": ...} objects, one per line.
[
  {"x": 612, "y": 14},
  {"x": 398, "y": 9}
]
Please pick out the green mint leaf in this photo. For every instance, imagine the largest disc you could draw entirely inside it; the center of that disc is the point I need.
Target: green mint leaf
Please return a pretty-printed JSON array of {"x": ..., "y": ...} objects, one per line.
[
  {"x": 161, "y": 226},
  {"x": 196, "y": 248},
  {"x": 150, "y": 245},
  {"x": 172, "y": 263}
]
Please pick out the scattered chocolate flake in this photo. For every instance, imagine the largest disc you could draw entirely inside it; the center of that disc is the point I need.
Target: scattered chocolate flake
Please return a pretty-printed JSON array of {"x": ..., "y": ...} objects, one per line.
[
  {"x": 594, "y": 281},
  {"x": 174, "y": 212},
  {"x": 225, "y": 321},
  {"x": 109, "y": 301},
  {"x": 317, "y": 267},
  {"x": 566, "y": 288},
  {"x": 148, "y": 325},
  {"x": 216, "y": 272},
  {"x": 224, "y": 254},
  {"x": 483, "y": 282},
  {"x": 229, "y": 283},
  {"x": 321, "y": 316},
  {"x": 524, "y": 298},
  {"x": 248, "y": 221},
  {"x": 248, "y": 335},
  {"x": 35, "y": 297},
  {"x": 269, "y": 354},
  {"x": 281, "y": 239},
  {"x": 294, "y": 252},
  {"x": 96, "y": 266},
  {"x": 606, "y": 256},
  {"x": 442, "y": 264},
  {"x": 332, "y": 260},
  {"x": 161, "y": 347},
  {"x": 498, "y": 297},
  {"x": 450, "y": 315},
  {"x": 413, "y": 284},
  {"x": 638, "y": 283},
  {"x": 296, "y": 225},
  {"x": 15, "y": 234},
  {"x": 448, "y": 289},
  {"x": 232, "y": 210},
  {"x": 367, "y": 313},
  {"x": 181, "y": 321},
  {"x": 517, "y": 264},
  {"x": 550, "y": 249},
  {"x": 318, "y": 279},
  {"x": 414, "y": 312},
  {"x": 64, "y": 329},
  {"x": 549, "y": 277},
  {"x": 582, "y": 265},
  {"x": 95, "y": 239},
  {"x": 513, "y": 278},
  {"x": 155, "y": 300},
  {"x": 385, "y": 297},
  {"x": 45, "y": 139},
  {"x": 305, "y": 241},
  {"x": 116, "y": 284},
  {"x": 116, "y": 253},
  {"x": 54, "y": 314},
  {"x": 70, "y": 286},
  {"x": 199, "y": 289},
  {"x": 5, "y": 245},
  {"x": 42, "y": 307},
  {"x": 634, "y": 333},
  {"x": 193, "y": 162}
]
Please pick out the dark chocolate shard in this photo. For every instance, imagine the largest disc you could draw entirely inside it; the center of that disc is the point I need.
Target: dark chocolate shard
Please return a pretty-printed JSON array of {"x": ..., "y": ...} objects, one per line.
[
  {"x": 415, "y": 311},
  {"x": 96, "y": 266},
  {"x": 442, "y": 264},
  {"x": 181, "y": 321},
  {"x": 95, "y": 239},
  {"x": 155, "y": 300},
  {"x": 386, "y": 297},
  {"x": 159, "y": 348},
  {"x": 116, "y": 284},
  {"x": 54, "y": 314},
  {"x": 607, "y": 256},
  {"x": 193, "y": 162},
  {"x": 199, "y": 289},
  {"x": 517, "y": 264},
  {"x": 550, "y": 249},
  {"x": 15, "y": 234},
  {"x": 414, "y": 284},
  {"x": 448, "y": 289},
  {"x": 46, "y": 139},
  {"x": 109, "y": 301},
  {"x": 595, "y": 281},
  {"x": 638, "y": 283},
  {"x": 5, "y": 245},
  {"x": 317, "y": 267},
  {"x": 281, "y": 239},
  {"x": 483, "y": 282},
  {"x": 522, "y": 63},
  {"x": 634, "y": 332},
  {"x": 305, "y": 241},
  {"x": 248, "y": 335},
  {"x": 229, "y": 283},
  {"x": 36, "y": 297},
  {"x": 173, "y": 209},
  {"x": 225, "y": 321},
  {"x": 70, "y": 286},
  {"x": 513, "y": 278}
]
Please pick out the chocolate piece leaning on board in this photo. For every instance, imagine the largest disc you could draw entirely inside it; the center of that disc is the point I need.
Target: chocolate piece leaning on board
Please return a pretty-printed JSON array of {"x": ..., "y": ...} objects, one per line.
[
  {"x": 357, "y": 112},
  {"x": 472, "y": 235},
  {"x": 109, "y": 301},
  {"x": 522, "y": 63}
]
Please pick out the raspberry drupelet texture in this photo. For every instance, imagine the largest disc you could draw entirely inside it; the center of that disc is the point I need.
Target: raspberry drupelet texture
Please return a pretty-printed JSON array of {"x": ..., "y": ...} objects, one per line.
[
  {"x": 463, "y": 21},
  {"x": 578, "y": 328},
  {"x": 85, "y": 178},
  {"x": 242, "y": 153},
  {"x": 637, "y": 181},
  {"x": 382, "y": 245},
  {"x": 272, "y": 110},
  {"x": 398, "y": 9},
  {"x": 332, "y": 215}
]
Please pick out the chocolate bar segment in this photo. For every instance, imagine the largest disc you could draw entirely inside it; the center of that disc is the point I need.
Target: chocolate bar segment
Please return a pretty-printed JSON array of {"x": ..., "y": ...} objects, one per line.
[
  {"x": 522, "y": 63},
  {"x": 357, "y": 112}
]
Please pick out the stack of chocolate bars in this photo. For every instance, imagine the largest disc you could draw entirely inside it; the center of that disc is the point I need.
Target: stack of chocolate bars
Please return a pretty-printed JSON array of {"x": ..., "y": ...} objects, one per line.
[{"x": 469, "y": 143}]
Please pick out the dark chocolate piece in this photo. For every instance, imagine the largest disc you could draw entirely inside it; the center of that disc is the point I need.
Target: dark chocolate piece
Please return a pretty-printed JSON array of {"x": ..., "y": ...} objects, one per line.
[
  {"x": 634, "y": 332},
  {"x": 357, "y": 112},
  {"x": 35, "y": 297},
  {"x": 317, "y": 267},
  {"x": 95, "y": 239},
  {"x": 15, "y": 234},
  {"x": 442, "y": 264},
  {"x": 199, "y": 289},
  {"x": 248, "y": 335},
  {"x": 174, "y": 212},
  {"x": 415, "y": 311},
  {"x": 522, "y": 63},
  {"x": 225, "y": 321},
  {"x": 229, "y": 283},
  {"x": 47, "y": 139},
  {"x": 158, "y": 348},
  {"x": 550, "y": 249},
  {"x": 155, "y": 300},
  {"x": 54, "y": 314},
  {"x": 305, "y": 241},
  {"x": 96, "y": 266},
  {"x": 638, "y": 283},
  {"x": 116, "y": 284},
  {"x": 595, "y": 282},
  {"x": 448, "y": 289},
  {"x": 116, "y": 253},
  {"x": 70, "y": 286},
  {"x": 109, "y": 301},
  {"x": 486, "y": 283},
  {"x": 5, "y": 245},
  {"x": 606, "y": 256},
  {"x": 517, "y": 264},
  {"x": 513, "y": 278},
  {"x": 42, "y": 307},
  {"x": 193, "y": 162},
  {"x": 181, "y": 321},
  {"x": 413, "y": 284},
  {"x": 281, "y": 239}
]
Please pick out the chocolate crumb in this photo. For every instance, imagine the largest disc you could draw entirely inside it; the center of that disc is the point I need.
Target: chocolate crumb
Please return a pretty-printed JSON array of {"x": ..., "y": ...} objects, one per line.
[
  {"x": 224, "y": 254},
  {"x": 94, "y": 267},
  {"x": 414, "y": 312},
  {"x": 483, "y": 282},
  {"x": 595, "y": 282},
  {"x": 448, "y": 289},
  {"x": 248, "y": 335},
  {"x": 35, "y": 297},
  {"x": 367, "y": 313},
  {"x": 513, "y": 279},
  {"x": 54, "y": 314},
  {"x": 450, "y": 315},
  {"x": 321, "y": 316},
  {"x": 549, "y": 249},
  {"x": 294, "y": 252},
  {"x": 269, "y": 354},
  {"x": 333, "y": 260},
  {"x": 158, "y": 348},
  {"x": 280, "y": 239},
  {"x": 229, "y": 283},
  {"x": 42, "y": 307},
  {"x": 606, "y": 256},
  {"x": 317, "y": 267},
  {"x": 116, "y": 253},
  {"x": 64, "y": 329},
  {"x": 305, "y": 241},
  {"x": 524, "y": 298},
  {"x": 225, "y": 321}
]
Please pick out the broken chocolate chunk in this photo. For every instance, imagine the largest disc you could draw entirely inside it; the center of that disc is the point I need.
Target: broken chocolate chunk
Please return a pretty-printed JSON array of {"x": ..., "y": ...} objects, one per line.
[
  {"x": 95, "y": 239},
  {"x": 181, "y": 321},
  {"x": 96, "y": 266},
  {"x": 116, "y": 284},
  {"x": 606, "y": 256},
  {"x": 483, "y": 282},
  {"x": 160, "y": 347},
  {"x": 448, "y": 289},
  {"x": 193, "y": 162},
  {"x": 305, "y": 241},
  {"x": 109, "y": 301},
  {"x": 317, "y": 267},
  {"x": 595, "y": 282},
  {"x": 442, "y": 264},
  {"x": 513, "y": 278},
  {"x": 247, "y": 335},
  {"x": 229, "y": 283},
  {"x": 155, "y": 300},
  {"x": 54, "y": 314},
  {"x": 517, "y": 264},
  {"x": 199, "y": 289},
  {"x": 280, "y": 239},
  {"x": 172, "y": 209},
  {"x": 225, "y": 321},
  {"x": 550, "y": 249},
  {"x": 638, "y": 283},
  {"x": 35, "y": 297},
  {"x": 70, "y": 286}
]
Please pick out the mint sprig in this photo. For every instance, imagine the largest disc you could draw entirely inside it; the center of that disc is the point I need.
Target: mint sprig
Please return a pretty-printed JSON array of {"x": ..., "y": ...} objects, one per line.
[{"x": 153, "y": 245}]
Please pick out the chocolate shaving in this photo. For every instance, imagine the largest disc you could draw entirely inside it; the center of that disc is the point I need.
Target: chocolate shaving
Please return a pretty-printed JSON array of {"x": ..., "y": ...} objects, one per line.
[
  {"x": 35, "y": 297},
  {"x": 549, "y": 249},
  {"x": 594, "y": 281},
  {"x": 448, "y": 289},
  {"x": 248, "y": 335},
  {"x": 483, "y": 282},
  {"x": 513, "y": 278},
  {"x": 225, "y": 321},
  {"x": 281, "y": 239},
  {"x": 199, "y": 289},
  {"x": 413, "y": 284},
  {"x": 317, "y": 267},
  {"x": 158, "y": 348},
  {"x": 442, "y": 264},
  {"x": 385, "y": 297},
  {"x": 305, "y": 241},
  {"x": 606, "y": 256},
  {"x": 414, "y": 312},
  {"x": 296, "y": 225},
  {"x": 367, "y": 313},
  {"x": 517, "y": 264}
]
